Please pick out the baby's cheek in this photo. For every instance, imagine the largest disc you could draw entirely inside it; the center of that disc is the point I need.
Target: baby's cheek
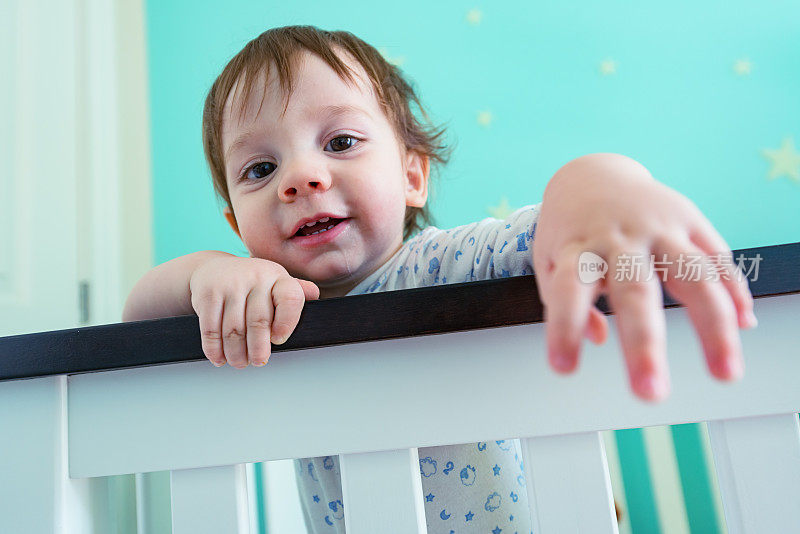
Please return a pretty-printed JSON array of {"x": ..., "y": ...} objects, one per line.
[
  {"x": 386, "y": 223},
  {"x": 259, "y": 244}
]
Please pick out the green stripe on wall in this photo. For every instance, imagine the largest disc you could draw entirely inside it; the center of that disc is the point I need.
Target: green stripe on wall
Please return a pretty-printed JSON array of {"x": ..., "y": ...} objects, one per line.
[
  {"x": 261, "y": 516},
  {"x": 694, "y": 478},
  {"x": 617, "y": 484},
  {"x": 636, "y": 477}
]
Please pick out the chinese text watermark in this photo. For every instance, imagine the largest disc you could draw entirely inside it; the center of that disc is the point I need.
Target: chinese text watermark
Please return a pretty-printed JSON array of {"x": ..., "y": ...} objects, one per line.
[{"x": 686, "y": 267}]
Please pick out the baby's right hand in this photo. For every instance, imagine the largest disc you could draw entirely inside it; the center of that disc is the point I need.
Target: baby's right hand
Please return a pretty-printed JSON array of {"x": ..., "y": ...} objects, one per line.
[{"x": 243, "y": 305}]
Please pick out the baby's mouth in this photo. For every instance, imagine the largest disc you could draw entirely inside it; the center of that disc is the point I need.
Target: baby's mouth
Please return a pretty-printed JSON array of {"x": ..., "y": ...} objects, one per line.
[{"x": 318, "y": 228}]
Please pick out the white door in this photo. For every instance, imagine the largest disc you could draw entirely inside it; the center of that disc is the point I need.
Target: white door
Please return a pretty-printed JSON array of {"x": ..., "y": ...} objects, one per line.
[
  {"x": 59, "y": 198},
  {"x": 38, "y": 217}
]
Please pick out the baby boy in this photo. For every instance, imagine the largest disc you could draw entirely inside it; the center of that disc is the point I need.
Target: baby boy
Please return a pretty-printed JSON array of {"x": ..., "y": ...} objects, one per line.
[{"x": 323, "y": 154}]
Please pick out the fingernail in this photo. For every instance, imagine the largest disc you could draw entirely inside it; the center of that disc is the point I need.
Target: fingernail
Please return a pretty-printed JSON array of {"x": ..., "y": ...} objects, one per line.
[
  {"x": 750, "y": 319},
  {"x": 280, "y": 340},
  {"x": 593, "y": 335},
  {"x": 651, "y": 386},
  {"x": 219, "y": 364},
  {"x": 260, "y": 364},
  {"x": 731, "y": 369},
  {"x": 562, "y": 362},
  {"x": 588, "y": 333}
]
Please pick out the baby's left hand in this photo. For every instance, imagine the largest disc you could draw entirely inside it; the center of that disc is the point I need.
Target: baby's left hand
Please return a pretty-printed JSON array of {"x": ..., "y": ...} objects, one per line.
[{"x": 610, "y": 205}]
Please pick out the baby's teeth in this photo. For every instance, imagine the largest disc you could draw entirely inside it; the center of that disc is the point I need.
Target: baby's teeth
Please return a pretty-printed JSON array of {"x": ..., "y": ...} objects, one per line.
[
  {"x": 324, "y": 219},
  {"x": 323, "y": 230}
]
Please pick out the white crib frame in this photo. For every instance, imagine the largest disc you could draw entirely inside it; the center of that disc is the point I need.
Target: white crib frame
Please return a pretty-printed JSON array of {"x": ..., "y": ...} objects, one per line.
[{"x": 202, "y": 423}]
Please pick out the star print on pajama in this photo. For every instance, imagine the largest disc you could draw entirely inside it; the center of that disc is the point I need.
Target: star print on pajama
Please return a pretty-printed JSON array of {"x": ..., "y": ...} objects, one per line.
[
  {"x": 475, "y": 488},
  {"x": 467, "y": 488}
]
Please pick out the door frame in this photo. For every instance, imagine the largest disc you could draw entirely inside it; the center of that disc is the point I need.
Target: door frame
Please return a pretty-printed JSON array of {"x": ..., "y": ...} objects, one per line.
[{"x": 114, "y": 200}]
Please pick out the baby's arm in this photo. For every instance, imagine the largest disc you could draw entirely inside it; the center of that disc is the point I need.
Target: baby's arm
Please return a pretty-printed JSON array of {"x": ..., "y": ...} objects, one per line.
[
  {"x": 242, "y": 304},
  {"x": 164, "y": 290}
]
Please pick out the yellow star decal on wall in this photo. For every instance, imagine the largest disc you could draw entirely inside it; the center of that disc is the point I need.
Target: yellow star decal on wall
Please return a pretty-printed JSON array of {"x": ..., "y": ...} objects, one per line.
[
  {"x": 742, "y": 67},
  {"x": 502, "y": 210},
  {"x": 608, "y": 66},
  {"x": 785, "y": 160},
  {"x": 474, "y": 16},
  {"x": 484, "y": 118}
]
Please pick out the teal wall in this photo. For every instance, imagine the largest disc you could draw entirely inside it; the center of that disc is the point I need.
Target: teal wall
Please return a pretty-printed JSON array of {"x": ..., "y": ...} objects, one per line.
[
  {"x": 674, "y": 103},
  {"x": 522, "y": 89}
]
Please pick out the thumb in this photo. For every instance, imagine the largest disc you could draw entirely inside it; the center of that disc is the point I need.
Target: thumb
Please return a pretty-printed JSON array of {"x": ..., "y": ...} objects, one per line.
[{"x": 310, "y": 289}]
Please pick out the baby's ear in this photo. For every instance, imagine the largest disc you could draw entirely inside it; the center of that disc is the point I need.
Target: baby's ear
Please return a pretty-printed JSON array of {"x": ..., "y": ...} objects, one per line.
[
  {"x": 417, "y": 169},
  {"x": 231, "y": 218}
]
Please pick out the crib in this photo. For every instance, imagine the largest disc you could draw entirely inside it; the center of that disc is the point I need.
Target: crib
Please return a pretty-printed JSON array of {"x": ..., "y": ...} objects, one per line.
[{"x": 80, "y": 404}]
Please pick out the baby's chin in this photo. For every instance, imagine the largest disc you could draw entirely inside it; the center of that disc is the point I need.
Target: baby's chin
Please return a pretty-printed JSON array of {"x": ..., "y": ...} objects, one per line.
[
  {"x": 335, "y": 288},
  {"x": 332, "y": 282}
]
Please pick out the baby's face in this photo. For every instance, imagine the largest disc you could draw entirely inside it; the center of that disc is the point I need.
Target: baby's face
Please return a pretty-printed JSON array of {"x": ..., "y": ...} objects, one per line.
[{"x": 332, "y": 154}]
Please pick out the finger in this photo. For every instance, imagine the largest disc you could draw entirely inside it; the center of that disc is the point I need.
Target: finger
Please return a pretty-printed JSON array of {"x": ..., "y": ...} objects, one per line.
[
  {"x": 234, "y": 342},
  {"x": 288, "y": 299},
  {"x": 543, "y": 270},
  {"x": 638, "y": 304},
  {"x": 566, "y": 310},
  {"x": 258, "y": 321},
  {"x": 209, "y": 312},
  {"x": 310, "y": 289},
  {"x": 596, "y": 327},
  {"x": 706, "y": 237},
  {"x": 710, "y": 309}
]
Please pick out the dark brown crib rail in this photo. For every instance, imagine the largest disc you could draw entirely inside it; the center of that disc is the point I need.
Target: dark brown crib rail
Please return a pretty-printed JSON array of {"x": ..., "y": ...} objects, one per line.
[{"x": 395, "y": 314}]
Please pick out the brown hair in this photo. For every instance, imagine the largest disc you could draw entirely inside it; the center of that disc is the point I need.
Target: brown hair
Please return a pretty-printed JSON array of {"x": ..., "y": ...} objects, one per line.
[{"x": 280, "y": 47}]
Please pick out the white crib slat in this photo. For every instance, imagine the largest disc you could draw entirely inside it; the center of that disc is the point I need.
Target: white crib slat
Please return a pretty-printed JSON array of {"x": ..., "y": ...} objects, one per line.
[
  {"x": 30, "y": 413},
  {"x": 758, "y": 466},
  {"x": 142, "y": 504},
  {"x": 36, "y": 493},
  {"x": 152, "y": 502},
  {"x": 210, "y": 500},
  {"x": 569, "y": 488},
  {"x": 382, "y": 492}
]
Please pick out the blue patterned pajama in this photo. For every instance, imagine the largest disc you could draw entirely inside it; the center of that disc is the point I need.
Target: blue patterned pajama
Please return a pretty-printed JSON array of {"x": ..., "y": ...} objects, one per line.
[{"x": 468, "y": 488}]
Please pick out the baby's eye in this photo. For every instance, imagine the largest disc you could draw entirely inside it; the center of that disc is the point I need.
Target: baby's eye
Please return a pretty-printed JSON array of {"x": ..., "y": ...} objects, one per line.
[
  {"x": 341, "y": 143},
  {"x": 259, "y": 170}
]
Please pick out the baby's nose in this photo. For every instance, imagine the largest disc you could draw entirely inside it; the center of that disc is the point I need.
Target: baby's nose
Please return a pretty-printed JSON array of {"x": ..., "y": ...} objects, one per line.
[
  {"x": 304, "y": 180},
  {"x": 309, "y": 185}
]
